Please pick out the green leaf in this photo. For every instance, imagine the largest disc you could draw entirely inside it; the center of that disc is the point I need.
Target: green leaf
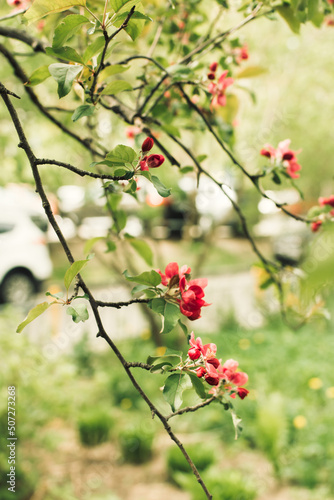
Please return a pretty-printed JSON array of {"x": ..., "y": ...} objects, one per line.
[
  {"x": 122, "y": 154},
  {"x": 160, "y": 362},
  {"x": 78, "y": 312},
  {"x": 183, "y": 328},
  {"x": 120, "y": 5},
  {"x": 55, "y": 295},
  {"x": 33, "y": 314},
  {"x": 83, "y": 110},
  {"x": 64, "y": 74},
  {"x": 39, "y": 76},
  {"x": 90, "y": 243},
  {"x": 187, "y": 169},
  {"x": 115, "y": 87},
  {"x": 250, "y": 72},
  {"x": 143, "y": 249},
  {"x": 276, "y": 178},
  {"x": 180, "y": 71},
  {"x": 111, "y": 246},
  {"x": 135, "y": 24},
  {"x": 67, "y": 28},
  {"x": 150, "y": 278},
  {"x": 170, "y": 313},
  {"x": 173, "y": 389},
  {"x": 110, "y": 71},
  {"x": 171, "y": 317},
  {"x": 171, "y": 129},
  {"x": 66, "y": 53},
  {"x": 287, "y": 13},
  {"x": 198, "y": 385},
  {"x": 41, "y": 8},
  {"x": 160, "y": 187},
  {"x": 73, "y": 271},
  {"x": 94, "y": 48}
]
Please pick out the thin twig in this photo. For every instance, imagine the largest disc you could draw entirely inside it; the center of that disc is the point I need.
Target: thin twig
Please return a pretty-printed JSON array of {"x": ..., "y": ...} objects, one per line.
[{"x": 188, "y": 409}]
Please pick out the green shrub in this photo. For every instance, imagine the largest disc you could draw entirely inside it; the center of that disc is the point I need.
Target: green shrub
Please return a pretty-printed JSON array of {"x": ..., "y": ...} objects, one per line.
[
  {"x": 222, "y": 484},
  {"x": 202, "y": 456},
  {"x": 94, "y": 427},
  {"x": 136, "y": 444}
]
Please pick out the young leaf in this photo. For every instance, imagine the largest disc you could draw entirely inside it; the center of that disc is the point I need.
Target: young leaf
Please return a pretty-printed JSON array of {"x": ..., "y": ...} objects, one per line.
[
  {"x": 115, "y": 87},
  {"x": 122, "y": 154},
  {"x": 67, "y": 28},
  {"x": 39, "y": 76},
  {"x": 64, "y": 74},
  {"x": 66, "y": 53},
  {"x": 110, "y": 71},
  {"x": 250, "y": 72},
  {"x": 160, "y": 187},
  {"x": 135, "y": 24},
  {"x": 94, "y": 48},
  {"x": 91, "y": 242},
  {"x": 33, "y": 314},
  {"x": 78, "y": 312},
  {"x": 73, "y": 271},
  {"x": 170, "y": 317},
  {"x": 120, "y": 5},
  {"x": 237, "y": 424},
  {"x": 173, "y": 389},
  {"x": 289, "y": 16},
  {"x": 83, "y": 110},
  {"x": 143, "y": 249},
  {"x": 150, "y": 278},
  {"x": 41, "y": 8},
  {"x": 198, "y": 385},
  {"x": 170, "y": 313}
]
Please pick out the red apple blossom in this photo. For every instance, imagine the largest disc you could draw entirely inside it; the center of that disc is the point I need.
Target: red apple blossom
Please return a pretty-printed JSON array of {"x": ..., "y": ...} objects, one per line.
[
  {"x": 194, "y": 353},
  {"x": 218, "y": 90},
  {"x": 283, "y": 155},
  {"x": 192, "y": 297},
  {"x": 172, "y": 269},
  {"x": 213, "y": 66},
  {"x": 211, "y": 376},
  {"x": 200, "y": 371},
  {"x": 327, "y": 201},
  {"x": 151, "y": 161}
]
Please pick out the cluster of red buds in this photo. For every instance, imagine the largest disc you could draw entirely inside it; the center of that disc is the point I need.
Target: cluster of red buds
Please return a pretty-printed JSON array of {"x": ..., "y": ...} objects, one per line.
[
  {"x": 149, "y": 161},
  {"x": 283, "y": 156},
  {"x": 225, "y": 378},
  {"x": 188, "y": 294},
  {"x": 327, "y": 204}
]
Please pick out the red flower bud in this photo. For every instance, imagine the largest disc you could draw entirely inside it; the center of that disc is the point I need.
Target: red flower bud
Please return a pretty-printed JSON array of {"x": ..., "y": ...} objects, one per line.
[
  {"x": 214, "y": 362},
  {"x": 194, "y": 353},
  {"x": 213, "y": 66},
  {"x": 242, "y": 392},
  {"x": 147, "y": 144},
  {"x": 211, "y": 76},
  {"x": 154, "y": 161},
  {"x": 200, "y": 371},
  {"x": 211, "y": 380},
  {"x": 315, "y": 226}
]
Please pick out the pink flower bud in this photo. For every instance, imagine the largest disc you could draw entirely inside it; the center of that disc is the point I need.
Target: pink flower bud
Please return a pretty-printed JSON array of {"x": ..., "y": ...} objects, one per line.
[
  {"x": 200, "y": 372},
  {"x": 154, "y": 161},
  {"x": 147, "y": 144},
  {"x": 214, "y": 362},
  {"x": 211, "y": 379},
  {"x": 242, "y": 392},
  {"x": 213, "y": 66},
  {"x": 194, "y": 353}
]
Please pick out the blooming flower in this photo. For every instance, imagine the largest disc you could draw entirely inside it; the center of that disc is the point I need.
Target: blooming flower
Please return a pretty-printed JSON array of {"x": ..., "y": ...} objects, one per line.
[
  {"x": 241, "y": 53},
  {"x": 151, "y": 161},
  {"x": 327, "y": 201},
  {"x": 192, "y": 294},
  {"x": 172, "y": 269},
  {"x": 218, "y": 90},
  {"x": 283, "y": 155}
]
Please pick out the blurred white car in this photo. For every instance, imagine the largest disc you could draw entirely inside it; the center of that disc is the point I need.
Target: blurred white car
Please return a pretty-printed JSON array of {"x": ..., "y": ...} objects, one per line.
[{"x": 24, "y": 257}]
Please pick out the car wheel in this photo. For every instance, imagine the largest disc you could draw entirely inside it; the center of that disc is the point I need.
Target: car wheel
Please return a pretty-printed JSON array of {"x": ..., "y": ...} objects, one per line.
[{"x": 17, "y": 287}]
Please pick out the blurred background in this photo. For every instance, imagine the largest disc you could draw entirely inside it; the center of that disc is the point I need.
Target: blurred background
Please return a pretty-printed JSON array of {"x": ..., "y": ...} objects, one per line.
[{"x": 83, "y": 432}]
